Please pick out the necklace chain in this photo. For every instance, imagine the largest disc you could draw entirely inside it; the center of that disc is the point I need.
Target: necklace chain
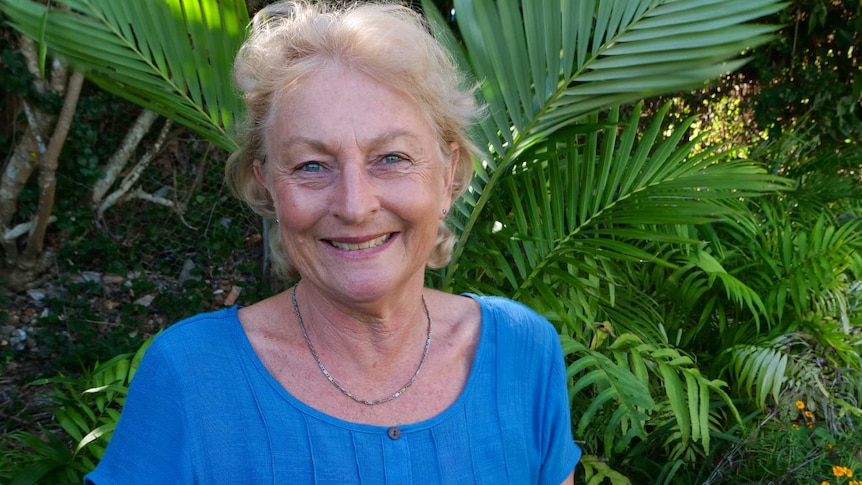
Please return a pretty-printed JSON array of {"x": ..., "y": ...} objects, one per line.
[{"x": 335, "y": 382}]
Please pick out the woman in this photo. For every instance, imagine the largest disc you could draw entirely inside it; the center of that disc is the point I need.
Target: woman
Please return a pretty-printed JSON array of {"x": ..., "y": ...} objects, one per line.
[{"x": 355, "y": 145}]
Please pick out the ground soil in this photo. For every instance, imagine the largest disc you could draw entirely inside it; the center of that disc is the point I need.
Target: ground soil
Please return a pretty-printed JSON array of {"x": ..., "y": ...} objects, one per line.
[{"x": 27, "y": 406}]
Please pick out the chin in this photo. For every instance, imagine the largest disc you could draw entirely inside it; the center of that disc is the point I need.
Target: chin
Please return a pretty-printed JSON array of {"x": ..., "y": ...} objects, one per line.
[
  {"x": 361, "y": 288},
  {"x": 368, "y": 287}
]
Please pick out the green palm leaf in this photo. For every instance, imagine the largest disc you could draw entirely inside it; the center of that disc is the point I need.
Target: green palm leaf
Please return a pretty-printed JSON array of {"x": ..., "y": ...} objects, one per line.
[
  {"x": 574, "y": 207},
  {"x": 630, "y": 378},
  {"x": 808, "y": 269},
  {"x": 544, "y": 66},
  {"x": 172, "y": 57},
  {"x": 614, "y": 385}
]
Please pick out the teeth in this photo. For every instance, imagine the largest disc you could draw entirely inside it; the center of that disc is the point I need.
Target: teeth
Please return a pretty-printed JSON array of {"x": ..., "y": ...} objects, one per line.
[{"x": 364, "y": 245}]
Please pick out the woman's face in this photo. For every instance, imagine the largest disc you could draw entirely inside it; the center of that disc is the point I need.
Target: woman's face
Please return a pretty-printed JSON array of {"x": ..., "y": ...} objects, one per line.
[{"x": 359, "y": 184}]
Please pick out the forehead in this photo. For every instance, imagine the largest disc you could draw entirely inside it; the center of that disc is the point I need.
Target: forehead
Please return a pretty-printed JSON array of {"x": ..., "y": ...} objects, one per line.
[{"x": 337, "y": 105}]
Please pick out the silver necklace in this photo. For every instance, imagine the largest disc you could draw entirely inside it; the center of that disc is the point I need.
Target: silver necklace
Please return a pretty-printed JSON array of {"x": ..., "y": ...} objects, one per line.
[{"x": 337, "y": 384}]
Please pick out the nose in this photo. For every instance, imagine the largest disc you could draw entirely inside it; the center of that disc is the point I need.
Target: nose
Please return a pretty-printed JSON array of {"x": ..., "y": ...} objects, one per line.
[{"x": 357, "y": 196}]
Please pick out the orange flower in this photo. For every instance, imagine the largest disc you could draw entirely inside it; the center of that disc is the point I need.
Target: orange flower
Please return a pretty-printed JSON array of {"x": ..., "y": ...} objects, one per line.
[
  {"x": 809, "y": 414},
  {"x": 795, "y": 426},
  {"x": 824, "y": 482},
  {"x": 829, "y": 446},
  {"x": 838, "y": 471},
  {"x": 800, "y": 405}
]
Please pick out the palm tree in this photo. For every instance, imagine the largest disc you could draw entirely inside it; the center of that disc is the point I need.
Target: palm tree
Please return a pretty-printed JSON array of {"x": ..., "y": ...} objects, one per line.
[
  {"x": 585, "y": 208},
  {"x": 577, "y": 208}
]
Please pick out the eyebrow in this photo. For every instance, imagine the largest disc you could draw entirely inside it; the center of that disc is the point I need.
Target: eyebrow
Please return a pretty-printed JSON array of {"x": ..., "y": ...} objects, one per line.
[{"x": 377, "y": 141}]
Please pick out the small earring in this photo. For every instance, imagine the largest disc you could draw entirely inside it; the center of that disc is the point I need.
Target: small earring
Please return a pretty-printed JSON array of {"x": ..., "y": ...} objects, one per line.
[
  {"x": 276, "y": 220},
  {"x": 445, "y": 211}
]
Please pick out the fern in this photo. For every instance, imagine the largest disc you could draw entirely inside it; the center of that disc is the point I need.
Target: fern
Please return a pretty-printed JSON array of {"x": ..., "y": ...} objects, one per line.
[{"x": 86, "y": 411}]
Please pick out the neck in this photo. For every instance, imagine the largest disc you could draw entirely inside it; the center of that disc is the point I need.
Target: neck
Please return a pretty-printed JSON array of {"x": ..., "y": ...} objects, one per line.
[
  {"x": 369, "y": 337},
  {"x": 338, "y": 384}
]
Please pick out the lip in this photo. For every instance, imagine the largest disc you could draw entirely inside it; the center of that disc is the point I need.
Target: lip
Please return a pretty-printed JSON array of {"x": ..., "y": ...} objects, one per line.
[{"x": 363, "y": 243}]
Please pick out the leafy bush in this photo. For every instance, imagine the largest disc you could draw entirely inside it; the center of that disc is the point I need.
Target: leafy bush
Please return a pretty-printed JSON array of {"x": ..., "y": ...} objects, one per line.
[
  {"x": 793, "y": 444},
  {"x": 85, "y": 414}
]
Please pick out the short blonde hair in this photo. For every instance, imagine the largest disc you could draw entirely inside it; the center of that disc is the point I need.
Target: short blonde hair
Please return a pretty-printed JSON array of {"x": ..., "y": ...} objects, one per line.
[{"x": 388, "y": 42}]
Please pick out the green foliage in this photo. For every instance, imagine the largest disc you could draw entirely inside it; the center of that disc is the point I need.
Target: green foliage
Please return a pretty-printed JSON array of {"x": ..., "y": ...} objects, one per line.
[
  {"x": 596, "y": 471},
  {"x": 16, "y": 79},
  {"x": 68, "y": 328},
  {"x": 85, "y": 414},
  {"x": 597, "y": 217},
  {"x": 793, "y": 445},
  {"x": 812, "y": 73},
  {"x": 612, "y": 53},
  {"x": 141, "y": 51}
]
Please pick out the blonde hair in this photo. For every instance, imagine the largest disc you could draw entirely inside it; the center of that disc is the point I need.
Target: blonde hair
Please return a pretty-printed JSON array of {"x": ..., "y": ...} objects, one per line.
[{"x": 388, "y": 42}]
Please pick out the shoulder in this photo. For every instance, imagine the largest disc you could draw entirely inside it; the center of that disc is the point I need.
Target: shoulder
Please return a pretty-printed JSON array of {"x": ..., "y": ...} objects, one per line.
[
  {"x": 202, "y": 323},
  {"x": 194, "y": 357},
  {"x": 198, "y": 334},
  {"x": 505, "y": 305},
  {"x": 510, "y": 316},
  {"x": 518, "y": 335}
]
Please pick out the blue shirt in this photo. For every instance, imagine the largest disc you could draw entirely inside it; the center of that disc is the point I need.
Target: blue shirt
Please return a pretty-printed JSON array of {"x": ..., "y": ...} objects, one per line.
[{"x": 202, "y": 408}]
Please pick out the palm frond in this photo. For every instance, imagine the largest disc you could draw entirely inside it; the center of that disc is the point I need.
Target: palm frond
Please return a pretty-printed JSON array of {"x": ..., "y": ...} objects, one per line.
[
  {"x": 689, "y": 398},
  {"x": 736, "y": 290},
  {"x": 172, "y": 57},
  {"x": 630, "y": 377},
  {"x": 613, "y": 385},
  {"x": 592, "y": 196},
  {"x": 808, "y": 266},
  {"x": 544, "y": 66}
]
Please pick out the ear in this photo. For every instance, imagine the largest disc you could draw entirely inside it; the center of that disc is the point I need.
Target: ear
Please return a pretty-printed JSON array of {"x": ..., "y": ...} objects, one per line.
[
  {"x": 452, "y": 168},
  {"x": 258, "y": 173},
  {"x": 449, "y": 178}
]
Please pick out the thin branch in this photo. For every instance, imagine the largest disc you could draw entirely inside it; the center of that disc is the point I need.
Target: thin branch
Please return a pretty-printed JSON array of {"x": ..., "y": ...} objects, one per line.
[
  {"x": 181, "y": 206},
  {"x": 31, "y": 59},
  {"x": 136, "y": 172},
  {"x": 199, "y": 176},
  {"x": 59, "y": 74},
  {"x": 21, "y": 229},
  {"x": 155, "y": 199},
  {"x": 34, "y": 121},
  {"x": 29, "y": 150},
  {"x": 120, "y": 158}
]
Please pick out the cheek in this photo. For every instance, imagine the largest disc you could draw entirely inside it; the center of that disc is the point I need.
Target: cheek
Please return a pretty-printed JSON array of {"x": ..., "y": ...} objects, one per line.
[
  {"x": 299, "y": 208},
  {"x": 295, "y": 198}
]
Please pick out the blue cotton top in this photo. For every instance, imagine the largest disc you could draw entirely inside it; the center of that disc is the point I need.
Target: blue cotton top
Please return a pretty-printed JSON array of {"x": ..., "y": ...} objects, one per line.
[{"x": 203, "y": 409}]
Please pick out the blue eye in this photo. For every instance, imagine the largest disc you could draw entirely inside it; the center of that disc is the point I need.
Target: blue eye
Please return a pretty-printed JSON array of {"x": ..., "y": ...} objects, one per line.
[
  {"x": 311, "y": 167},
  {"x": 393, "y": 158}
]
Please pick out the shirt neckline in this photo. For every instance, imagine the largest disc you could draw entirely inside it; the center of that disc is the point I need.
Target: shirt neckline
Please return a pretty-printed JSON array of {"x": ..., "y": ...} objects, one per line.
[{"x": 251, "y": 356}]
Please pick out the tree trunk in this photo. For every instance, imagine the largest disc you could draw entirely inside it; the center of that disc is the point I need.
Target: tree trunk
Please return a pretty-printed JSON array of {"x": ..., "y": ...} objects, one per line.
[
  {"x": 27, "y": 153},
  {"x": 18, "y": 171},
  {"x": 48, "y": 170}
]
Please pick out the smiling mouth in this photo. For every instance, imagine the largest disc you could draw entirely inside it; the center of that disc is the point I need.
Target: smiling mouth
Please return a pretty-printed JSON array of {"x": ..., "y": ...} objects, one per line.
[{"x": 363, "y": 245}]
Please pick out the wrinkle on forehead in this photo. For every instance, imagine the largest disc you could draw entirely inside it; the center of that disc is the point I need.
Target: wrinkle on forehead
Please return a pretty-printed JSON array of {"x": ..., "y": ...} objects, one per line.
[
  {"x": 331, "y": 70},
  {"x": 364, "y": 145}
]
